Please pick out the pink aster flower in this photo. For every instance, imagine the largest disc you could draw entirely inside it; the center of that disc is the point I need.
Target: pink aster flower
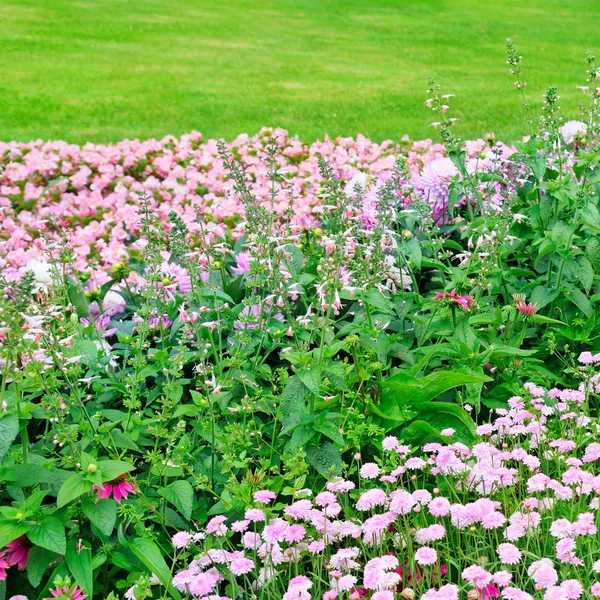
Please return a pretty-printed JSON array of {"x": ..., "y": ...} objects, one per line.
[
  {"x": 509, "y": 554},
  {"x": 426, "y": 556},
  {"x": 264, "y": 496},
  {"x": 241, "y": 566},
  {"x": 476, "y": 576},
  {"x": 369, "y": 471},
  {"x": 181, "y": 539},
  {"x": 119, "y": 488},
  {"x": 68, "y": 592},
  {"x": 595, "y": 590},
  {"x": 434, "y": 184}
]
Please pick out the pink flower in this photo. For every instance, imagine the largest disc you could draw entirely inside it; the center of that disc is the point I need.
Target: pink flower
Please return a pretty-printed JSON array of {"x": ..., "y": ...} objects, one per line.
[
  {"x": 119, "y": 488},
  {"x": 216, "y": 526},
  {"x": 439, "y": 507},
  {"x": 464, "y": 302},
  {"x": 509, "y": 554},
  {"x": 241, "y": 566},
  {"x": 242, "y": 263},
  {"x": 434, "y": 184},
  {"x": 4, "y": 566},
  {"x": 264, "y": 496},
  {"x": 426, "y": 556},
  {"x": 181, "y": 539},
  {"x": 369, "y": 471},
  {"x": 476, "y": 576},
  {"x": 73, "y": 592},
  {"x": 17, "y": 552},
  {"x": 573, "y": 588},
  {"x": 595, "y": 590},
  {"x": 254, "y": 515}
]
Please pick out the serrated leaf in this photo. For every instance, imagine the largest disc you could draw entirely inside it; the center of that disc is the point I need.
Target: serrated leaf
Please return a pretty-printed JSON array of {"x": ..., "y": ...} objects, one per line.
[
  {"x": 326, "y": 459},
  {"x": 580, "y": 300},
  {"x": 38, "y": 562},
  {"x": 49, "y": 534},
  {"x": 9, "y": 428},
  {"x": 300, "y": 437},
  {"x": 583, "y": 271},
  {"x": 311, "y": 378},
  {"x": 293, "y": 404},
  {"x": 331, "y": 431},
  {"x": 11, "y": 531},
  {"x": 102, "y": 513},
  {"x": 181, "y": 495},
  {"x": 72, "y": 488},
  {"x": 111, "y": 469}
]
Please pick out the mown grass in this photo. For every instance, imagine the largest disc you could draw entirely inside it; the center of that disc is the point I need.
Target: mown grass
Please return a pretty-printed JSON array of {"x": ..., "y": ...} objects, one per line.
[{"x": 102, "y": 70}]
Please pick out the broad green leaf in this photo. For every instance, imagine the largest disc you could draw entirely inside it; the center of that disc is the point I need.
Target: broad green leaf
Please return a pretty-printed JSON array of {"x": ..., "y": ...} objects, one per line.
[
  {"x": 591, "y": 216},
  {"x": 502, "y": 350},
  {"x": 72, "y": 488},
  {"x": 419, "y": 433},
  {"x": 111, "y": 469},
  {"x": 442, "y": 415},
  {"x": 38, "y": 562},
  {"x": 102, "y": 513},
  {"x": 181, "y": 495},
  {"x": 331, "y": 431},
  {"x": 580, "y": 300},
  {"x": 293, "y": 404},
  {"x": 78, "y": 300},
  {"x": 377, "y": 300},
  {"x": 561, "y": 234},
  {"x": 9, "y": 428},
  {"x": 542, "y": 296},
  {"x": 30, "y": 474},
  {"x": 79, "y": 561},
  {"x": 49, "y": 534},
  {"x": 11, "y": 531},
  {"x": 583, "y": 271},
  {"x": 326, "y": 459},
  {"x": 311, "y": 378},
  {"x": 592, "y": 253},
  {"x": 150, "y": 555},
  {"x": 438, "y": 382},
  {"x": 300, "y": 437}
]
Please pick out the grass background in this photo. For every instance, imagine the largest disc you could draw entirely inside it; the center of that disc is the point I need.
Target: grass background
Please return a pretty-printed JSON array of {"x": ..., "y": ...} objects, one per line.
[{"x": 102, "y": 70}]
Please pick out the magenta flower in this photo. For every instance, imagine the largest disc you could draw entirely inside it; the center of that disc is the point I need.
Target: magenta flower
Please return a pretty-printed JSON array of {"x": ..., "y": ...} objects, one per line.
[
  {"x": 242, "y": 263},
  {"x": 67, "y": 592},
  {"x": 4, "y": 566},
  {"x": 17, "y": 552},
  {"x": 118, "y": 488},
  {"x": 464, "y": 302}
]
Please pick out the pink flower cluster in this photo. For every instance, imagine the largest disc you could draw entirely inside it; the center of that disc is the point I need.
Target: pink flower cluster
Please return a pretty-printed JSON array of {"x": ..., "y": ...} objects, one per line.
[
  {"x": 516, "y": 516},
  {"x": 89, "y": 196}
]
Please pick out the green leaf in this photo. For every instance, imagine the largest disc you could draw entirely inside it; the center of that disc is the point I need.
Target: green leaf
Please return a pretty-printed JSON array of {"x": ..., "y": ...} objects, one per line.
[
  {"x": 583, "y": 271},
  {"x": 9, "y": 428},
  {"x": 331, "y": 431},
  {"x": 150, "y": 555},
  {"x": 300, "y": 437},
  {"x": 181, "y": 495},
  {"x": 87, "y": 350},
  {"x": 442, "y": 415},
  {"x": 592, "y": 253},
  {"x": 311, "y": 378},
  {"x": 79, "y": 561},
  {"x": 502, "y": 350},
  {"x": 11, "y": 531},
  {"x": 326, "y": 459},
  {"x": 78, "y": 300},
  {"x": 591, "y": 217},
  {"x": 542, "y": 296},
  {"x": 30, "y": 474},
  {"x": 38, "y": 562},
  {"x": 578, "y": 298},
  {"x": 419, "y": 433},
  {"x": 293, "y": 404},
  {"x": 561, "y": 234},
  {"x": 102, "y": 513},
  {"x": 49, "y": 534},
  {"x": 111, "y": 469},
  {"x": 377, "y": 300},
  {"x": 72, "y": 488}
]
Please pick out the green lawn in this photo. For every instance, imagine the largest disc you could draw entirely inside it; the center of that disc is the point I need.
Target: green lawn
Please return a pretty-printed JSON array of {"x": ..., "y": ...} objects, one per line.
[{"x": 102, "y": 70}]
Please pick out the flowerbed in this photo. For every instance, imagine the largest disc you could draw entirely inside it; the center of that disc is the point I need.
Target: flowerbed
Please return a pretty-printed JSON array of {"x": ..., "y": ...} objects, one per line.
[{"x": 268, "y": 369}]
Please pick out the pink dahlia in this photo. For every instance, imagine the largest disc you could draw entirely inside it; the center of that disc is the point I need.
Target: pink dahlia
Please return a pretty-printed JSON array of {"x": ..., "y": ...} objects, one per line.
[
  {"x": 433, "y": 183},
  {"x": 426, "y": 556}
]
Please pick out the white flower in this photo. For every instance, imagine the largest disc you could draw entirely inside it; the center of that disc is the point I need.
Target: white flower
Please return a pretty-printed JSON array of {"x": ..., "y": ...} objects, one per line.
[
  {"x": 573, "y": 129},
  {"x": 42, "y": 272},
  {"x": 360, "y": 179},
  {"x": 113, "y": 303}
]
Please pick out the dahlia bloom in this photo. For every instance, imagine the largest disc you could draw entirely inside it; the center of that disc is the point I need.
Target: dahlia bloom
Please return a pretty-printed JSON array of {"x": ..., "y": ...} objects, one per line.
[{"x": 433, "y": 183}]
